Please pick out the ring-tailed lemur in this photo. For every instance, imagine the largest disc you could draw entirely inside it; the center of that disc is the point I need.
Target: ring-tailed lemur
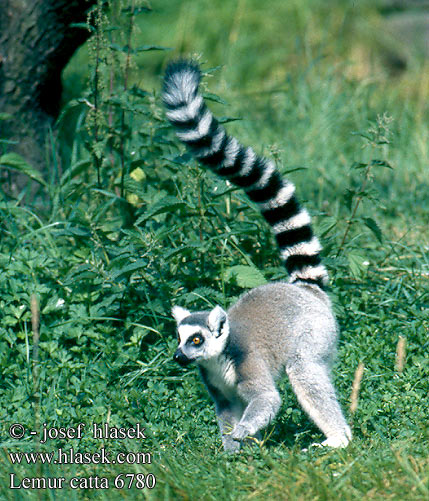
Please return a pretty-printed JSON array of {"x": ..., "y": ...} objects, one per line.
[{"x": 275, "y": 327}]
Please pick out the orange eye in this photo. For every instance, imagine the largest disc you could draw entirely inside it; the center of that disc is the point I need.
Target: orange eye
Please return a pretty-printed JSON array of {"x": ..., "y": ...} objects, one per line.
[{"x": 197, "y": 340}]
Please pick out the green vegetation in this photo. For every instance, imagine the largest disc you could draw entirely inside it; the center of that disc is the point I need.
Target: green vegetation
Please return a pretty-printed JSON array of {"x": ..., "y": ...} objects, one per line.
[{"x": 126, "y": 224}]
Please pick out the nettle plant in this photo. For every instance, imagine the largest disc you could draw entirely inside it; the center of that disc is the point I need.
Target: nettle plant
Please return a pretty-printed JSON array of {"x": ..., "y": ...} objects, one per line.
[
  {"x": 90, "y": 257},
  {"x": 352, "y": 233}
]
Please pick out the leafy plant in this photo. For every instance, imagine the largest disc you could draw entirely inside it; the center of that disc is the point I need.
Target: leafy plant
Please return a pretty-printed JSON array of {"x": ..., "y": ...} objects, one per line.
[{"x": 377, "y": 137}]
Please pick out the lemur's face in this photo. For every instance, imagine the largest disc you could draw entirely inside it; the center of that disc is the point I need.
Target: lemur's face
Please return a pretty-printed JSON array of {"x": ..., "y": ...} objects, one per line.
[{"x": 201, "y": 335}]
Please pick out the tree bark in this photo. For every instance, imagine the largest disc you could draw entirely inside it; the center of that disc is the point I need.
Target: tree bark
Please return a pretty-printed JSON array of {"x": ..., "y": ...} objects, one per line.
[{"x": 36, "y": 43}]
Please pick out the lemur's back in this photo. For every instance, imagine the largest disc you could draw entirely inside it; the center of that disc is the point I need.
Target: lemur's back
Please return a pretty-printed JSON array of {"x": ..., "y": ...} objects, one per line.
[{"x": 282, "y": 320}]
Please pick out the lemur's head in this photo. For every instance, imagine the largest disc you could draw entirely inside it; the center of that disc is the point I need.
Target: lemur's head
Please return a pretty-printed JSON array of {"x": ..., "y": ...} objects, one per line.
[{"x": 201, "y": 335}]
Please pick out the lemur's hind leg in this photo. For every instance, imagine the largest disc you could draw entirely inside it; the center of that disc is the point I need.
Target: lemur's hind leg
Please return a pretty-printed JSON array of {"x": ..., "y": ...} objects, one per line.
[{"x": 312, "y": 385}]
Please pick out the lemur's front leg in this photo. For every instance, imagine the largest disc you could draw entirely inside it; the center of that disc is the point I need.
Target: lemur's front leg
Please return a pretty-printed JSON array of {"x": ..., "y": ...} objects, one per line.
[
  {"x": 228, "y": 413},
  {"x": 263, "y": 403}
]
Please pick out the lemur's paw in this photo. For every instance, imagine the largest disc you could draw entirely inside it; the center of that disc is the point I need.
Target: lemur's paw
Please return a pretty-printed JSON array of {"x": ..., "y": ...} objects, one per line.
[
  {"x": 232, "y": 449},
  {"x": 230, "y": 445},
  {"x": 240, "y": 432},
  {"x": 335, "y": 442},
  {"x": 338, "y": 441}
]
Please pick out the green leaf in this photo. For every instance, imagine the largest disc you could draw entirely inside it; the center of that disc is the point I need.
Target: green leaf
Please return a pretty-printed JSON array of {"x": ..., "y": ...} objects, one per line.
[
  {"x": 75, "y": 170},
  {"x": 357, "y": 264},
  {"x": 188, "y": 249},
  {"x": 136, "y": 91},
  {"x": 359, "y": 165},
  {"x": 246, "y": 277},
  {"x": 128, "y": 269},
  {"x": 83, "y": 26},
  {"x": 166, "y": 204},
  {"x": 362, "y": 134},
  {"x": 326, "y": 225},
  {"x": 381, "y": 163},
  {"x": 213, "y": 97},
  {"x": 144, "y": 48},
  {"x": 293, "y": 169},
  {"x": 225, "y": 120},
  {"x": 348, "y": 198},
  {"x": 78, "y": 231},
  {"x": 184, "y": 159},
  {"x": 16, "y": 162},
  {"x": 373, "y": 226},
  {"x": 118, "y": 48}
]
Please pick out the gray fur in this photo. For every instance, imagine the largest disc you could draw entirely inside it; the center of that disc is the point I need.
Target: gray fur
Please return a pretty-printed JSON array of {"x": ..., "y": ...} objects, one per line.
[{"x": 273, "y": 329}]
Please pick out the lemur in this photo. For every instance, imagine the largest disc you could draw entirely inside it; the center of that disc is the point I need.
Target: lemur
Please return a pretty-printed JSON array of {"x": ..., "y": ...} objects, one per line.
[{"x": 277, "y": 327}]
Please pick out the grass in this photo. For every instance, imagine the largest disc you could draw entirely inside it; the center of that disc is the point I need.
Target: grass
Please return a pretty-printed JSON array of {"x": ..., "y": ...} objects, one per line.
[{"x": 128, "y": 225}]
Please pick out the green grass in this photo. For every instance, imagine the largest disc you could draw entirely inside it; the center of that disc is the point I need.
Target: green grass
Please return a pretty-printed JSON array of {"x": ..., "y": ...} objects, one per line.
[{"x": 128, "y": 225}]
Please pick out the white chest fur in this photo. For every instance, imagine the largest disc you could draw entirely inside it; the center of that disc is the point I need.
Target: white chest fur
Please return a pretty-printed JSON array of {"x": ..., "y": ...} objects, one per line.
[{"x": 221, "y": 374}]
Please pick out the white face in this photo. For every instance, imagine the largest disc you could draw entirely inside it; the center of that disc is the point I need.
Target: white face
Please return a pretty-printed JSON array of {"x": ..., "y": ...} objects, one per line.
[{"x": 201, "y": 336}]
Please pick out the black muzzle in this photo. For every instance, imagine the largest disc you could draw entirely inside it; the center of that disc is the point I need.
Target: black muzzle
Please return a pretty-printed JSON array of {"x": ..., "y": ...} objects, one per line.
[{"x": 181, "y": 358}]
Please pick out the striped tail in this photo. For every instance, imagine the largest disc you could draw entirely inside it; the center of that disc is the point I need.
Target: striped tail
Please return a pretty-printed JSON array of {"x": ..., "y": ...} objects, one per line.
[{"x": 263, "y": 184}]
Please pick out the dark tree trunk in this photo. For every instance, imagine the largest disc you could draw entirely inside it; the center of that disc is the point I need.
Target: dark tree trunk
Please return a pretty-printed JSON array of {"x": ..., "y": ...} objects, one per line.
[{"x": 36, "y": 42}]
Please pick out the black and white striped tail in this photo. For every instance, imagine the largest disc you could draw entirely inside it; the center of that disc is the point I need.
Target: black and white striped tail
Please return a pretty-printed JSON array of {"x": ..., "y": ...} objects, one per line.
[{"x": 210, "y": 144}]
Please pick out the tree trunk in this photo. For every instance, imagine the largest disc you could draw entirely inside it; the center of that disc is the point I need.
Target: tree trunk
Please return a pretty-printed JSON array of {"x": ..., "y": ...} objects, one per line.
[{"x": 36, "y": 43}]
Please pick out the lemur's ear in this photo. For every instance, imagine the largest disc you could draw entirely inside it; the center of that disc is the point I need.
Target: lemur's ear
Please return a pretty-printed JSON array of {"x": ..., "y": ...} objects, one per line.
[
  {"x": 217, "y": 321},
  {"x": 179, "y": 313}
]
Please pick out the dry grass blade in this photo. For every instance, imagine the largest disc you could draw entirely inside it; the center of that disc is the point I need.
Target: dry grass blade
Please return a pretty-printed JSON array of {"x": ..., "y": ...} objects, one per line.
[
  {"x": 35, "y": 320},
  {"x": 356, "y": 387},
  {"x": 400, "y": 354}
]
